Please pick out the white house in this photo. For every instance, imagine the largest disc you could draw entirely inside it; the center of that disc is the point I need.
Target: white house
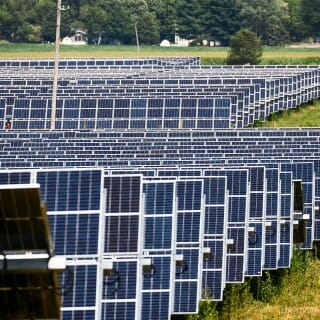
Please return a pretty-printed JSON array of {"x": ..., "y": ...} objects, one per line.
[{"x": 79, "y": 38}]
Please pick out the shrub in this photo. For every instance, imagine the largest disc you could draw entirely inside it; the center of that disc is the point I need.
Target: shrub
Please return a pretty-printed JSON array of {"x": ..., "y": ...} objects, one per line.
[{"x": 246, "y": 48}]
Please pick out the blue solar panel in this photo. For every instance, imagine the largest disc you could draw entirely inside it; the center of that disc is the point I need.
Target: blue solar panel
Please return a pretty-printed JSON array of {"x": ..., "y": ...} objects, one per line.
[
  {"x": 255, "y": 248},
  {"x": 71, "y": 190},
  {"x": 123, "y": 194},
  {"x": 272, "y": 224},
  {"x": 214, "y": 260},
  {"x": 180, "y": 234},
  {"x": 82, "y": 314},
  {"x": 120, "y": 286},
  {"x": 158, "y": 243},
  {"x": 75, "y": 234},
  {"x": 12, "y": 177},
  {"x": 79, "y": 291},
  {"x": 285, "y": 220},
  {"x": 156, "y": 289},
  {"x": 189, "y": 227},
  {"x": 237, "y": 183}
]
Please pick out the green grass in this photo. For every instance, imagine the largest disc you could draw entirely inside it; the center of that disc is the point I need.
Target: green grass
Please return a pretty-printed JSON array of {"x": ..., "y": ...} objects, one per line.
[
  {"x": 47, "y": 50},
  {"x": 307, "y": 115},
  {"x": 297, "y": 298},
  {"x": 291, "y": 294},
  {"x": 216, "y": 55}
]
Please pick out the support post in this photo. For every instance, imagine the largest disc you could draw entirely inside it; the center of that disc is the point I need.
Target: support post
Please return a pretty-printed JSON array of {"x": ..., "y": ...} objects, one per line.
[{"x": 56, "y": 68}]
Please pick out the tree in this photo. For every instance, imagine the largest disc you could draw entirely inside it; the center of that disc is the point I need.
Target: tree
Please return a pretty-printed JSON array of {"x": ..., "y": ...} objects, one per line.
[
  {"x": 268, "y": 19},
  {"x": 149, "y": 30},
  {"x": 189, "y": 17},
  {"x": 46, "y": 17},
  {"x": 119, "y": 26},
  {"x": 165, "y": 13},
  {"x": 94, "y": 18},
  {"x": 245, "y": 47},
  {"x": 16, "y": 19},
  {"x": 310, "y": 14},
  {"x": 144, "y": 23},
  {"x": 297, "y": 28},
  {"x": 221, "y": 19}
]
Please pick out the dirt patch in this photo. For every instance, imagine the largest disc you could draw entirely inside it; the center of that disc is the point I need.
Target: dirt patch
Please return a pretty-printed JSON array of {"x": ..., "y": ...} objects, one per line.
[{"x": 305, "y": 45}]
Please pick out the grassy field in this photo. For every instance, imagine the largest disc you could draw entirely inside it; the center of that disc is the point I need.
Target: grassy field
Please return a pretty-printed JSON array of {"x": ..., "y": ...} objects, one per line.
[
  {"x": 47, "y": 51},
  {"x": 304, "y": 116},
  {"x": 297, "y": 299}
]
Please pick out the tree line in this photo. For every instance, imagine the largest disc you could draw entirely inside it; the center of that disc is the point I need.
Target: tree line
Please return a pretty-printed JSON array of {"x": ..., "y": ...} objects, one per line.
[{"x": 276, "y": 22}]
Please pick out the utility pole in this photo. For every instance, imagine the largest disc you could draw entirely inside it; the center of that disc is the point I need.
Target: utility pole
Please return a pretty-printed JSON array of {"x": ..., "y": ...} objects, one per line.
[
  {"x": 56, "y": 68},
  {"x": 137, "y": 37}
]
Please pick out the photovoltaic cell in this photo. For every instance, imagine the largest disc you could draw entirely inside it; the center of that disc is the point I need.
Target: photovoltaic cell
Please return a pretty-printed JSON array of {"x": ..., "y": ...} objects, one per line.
[
  {"x": 159, "y": 237},
  {"x": 70, "y": 190},
  {"x": 237, "y": 183},
  {"x": 188, "y": 240}
]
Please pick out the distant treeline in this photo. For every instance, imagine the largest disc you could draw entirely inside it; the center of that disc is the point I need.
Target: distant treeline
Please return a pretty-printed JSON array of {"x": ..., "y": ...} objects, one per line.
[{"x": 276, "y": 22}]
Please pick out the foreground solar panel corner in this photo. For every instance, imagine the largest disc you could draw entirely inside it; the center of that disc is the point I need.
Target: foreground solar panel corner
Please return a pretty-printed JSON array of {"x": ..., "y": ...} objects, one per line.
[{"x": 29, "y": 286}]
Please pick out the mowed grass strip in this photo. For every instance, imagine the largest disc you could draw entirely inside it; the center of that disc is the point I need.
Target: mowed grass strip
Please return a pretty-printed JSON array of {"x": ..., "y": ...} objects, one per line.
[
  {"x": 13, "y": 50},
  {"x": 304, "y": 116}
]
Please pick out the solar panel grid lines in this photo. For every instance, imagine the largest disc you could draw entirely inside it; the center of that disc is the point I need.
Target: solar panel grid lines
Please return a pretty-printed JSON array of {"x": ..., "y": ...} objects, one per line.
[
  {"x": 170, "y": 221},
  {"x": 252, "y": 115},
  {"x": 272, "y": 224},
  {"x": 270, "y": 233},
  {"x": 23, "y": 177},
  {"x": 214, "y": 286},
  {"x": 99, "y": 63}
]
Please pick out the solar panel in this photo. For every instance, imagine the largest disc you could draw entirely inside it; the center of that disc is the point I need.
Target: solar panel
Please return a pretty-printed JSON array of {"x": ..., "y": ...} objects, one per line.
[
  {"x": 73, "y": 199},
  {"x": 159, "y": 222},
  {"x": 237, "y": 184},
  {"x": 28, "y": 286},
  {"x": 286, "y": 220},
  {"x": 272, "y": 223},
  {"x": 179, "y": 209},
  {"x": 214, "y": 244},
  {"x": 189, "y": 225}
]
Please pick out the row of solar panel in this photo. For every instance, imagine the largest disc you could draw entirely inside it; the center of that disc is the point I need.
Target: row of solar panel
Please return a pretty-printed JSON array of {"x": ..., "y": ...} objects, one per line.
[
  {"x": 122, "y": 113},
  {"x": 102, "y": 63},
  {"x": 237, "y": 108},
  {"x": 189, "y": 149},
  {"x": 163, "y": 244},
  {"x": 302, "y": 171},
  {"x": 178, "y": 95},
  {"x": 162, "y": 66}
]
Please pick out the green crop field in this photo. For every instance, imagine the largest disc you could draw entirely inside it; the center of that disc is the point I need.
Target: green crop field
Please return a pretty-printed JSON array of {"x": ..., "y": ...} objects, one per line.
[{"x": 271, "y": 55}]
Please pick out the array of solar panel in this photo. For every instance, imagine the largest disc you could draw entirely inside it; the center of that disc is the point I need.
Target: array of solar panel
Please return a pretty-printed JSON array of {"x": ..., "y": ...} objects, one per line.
[
  {"x": 101, "y": 63},
  {"x": 249, "y": 230},
  {"x": 158, "y": 219},
  {"x": 173, "y": 97}
]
